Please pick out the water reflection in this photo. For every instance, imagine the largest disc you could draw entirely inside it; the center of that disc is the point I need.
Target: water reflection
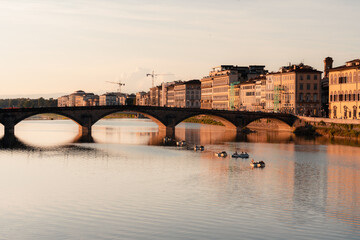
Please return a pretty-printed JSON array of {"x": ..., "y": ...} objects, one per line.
[
  {"x": 126, "y": 178},
  {"x": 12, "y": 142}
]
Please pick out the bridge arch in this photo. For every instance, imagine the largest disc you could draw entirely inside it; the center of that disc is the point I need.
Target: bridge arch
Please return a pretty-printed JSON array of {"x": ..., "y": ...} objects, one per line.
[
  {"x": 226, "y": 122},
  {"x": 146, "y": 114},
  {"x": 284, "y": 122},
  {"x": 31, "y": 114}
]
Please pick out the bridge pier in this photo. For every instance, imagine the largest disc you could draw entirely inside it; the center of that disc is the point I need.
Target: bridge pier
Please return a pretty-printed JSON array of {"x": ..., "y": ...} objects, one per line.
[
  {"x": 9, "y": 130},
  {"x": 169, "y": 131},
  {"x": 239, "y": 129},
  {"x": 85, "y": 131}
]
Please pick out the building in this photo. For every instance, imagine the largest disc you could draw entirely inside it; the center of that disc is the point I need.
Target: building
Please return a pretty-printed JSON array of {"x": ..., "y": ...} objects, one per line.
[
  {"x": 165, "y": 87},
  {"x": 269, "y": 93},
  {"x": 234, "y": 97},
  {"x": 143, "y": 98},
  {"x": 260, "y": 93},
  {"x": 295, "y": 89},
  {"x": 63, "y": 101},
  {"x": 170, "y": 100},
  {"x": 215, "y": 88},
  {"x": 193, "y": 93},
  {"x": 72, "y": 97},
  {"x": 187, "y": 94},
  {"x": 155, "y": 96},
  {"x": 247, "y": 95},
  {"x": 328, "y": 64},
  {"x": 78, "y": 99},
  {"x": 130, "y": 99},
  {"x": 139, "y": 98},
  {"x": 206, "y": 92},
  {"x": 344, "y": 90},
  {"x": 108, "y": 99}
]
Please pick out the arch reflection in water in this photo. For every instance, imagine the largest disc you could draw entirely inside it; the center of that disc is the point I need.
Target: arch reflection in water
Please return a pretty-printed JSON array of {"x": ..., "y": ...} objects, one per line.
[
  {"x": 127, "y": 131},
  {"x": 1, "y": 130},
  {"x": 47, "y": 133}
]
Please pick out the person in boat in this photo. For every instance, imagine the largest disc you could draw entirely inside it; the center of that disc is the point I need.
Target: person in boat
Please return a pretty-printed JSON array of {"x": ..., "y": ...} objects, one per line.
[{"x": 236, "y": 153}]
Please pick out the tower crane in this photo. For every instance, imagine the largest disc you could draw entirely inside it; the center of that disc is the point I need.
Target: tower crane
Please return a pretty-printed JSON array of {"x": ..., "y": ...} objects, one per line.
[
  {"x": 153, "y": 75},
  {"x": 119, "y": 83}
]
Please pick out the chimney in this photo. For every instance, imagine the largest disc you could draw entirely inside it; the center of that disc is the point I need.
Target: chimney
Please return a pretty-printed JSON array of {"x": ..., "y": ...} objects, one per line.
[{"x": 328, "y": 64}]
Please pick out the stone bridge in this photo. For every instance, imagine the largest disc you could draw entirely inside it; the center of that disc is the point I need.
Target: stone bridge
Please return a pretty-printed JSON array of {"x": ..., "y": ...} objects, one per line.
[{"x": 166, "y": 118}]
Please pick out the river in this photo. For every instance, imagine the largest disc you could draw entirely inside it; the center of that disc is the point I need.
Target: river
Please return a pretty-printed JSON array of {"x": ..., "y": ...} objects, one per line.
[{"x": 125, "y": 184}]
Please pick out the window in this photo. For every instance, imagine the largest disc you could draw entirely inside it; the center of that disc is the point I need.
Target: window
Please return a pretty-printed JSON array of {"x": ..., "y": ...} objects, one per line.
[
  {"x": 301, "y": 98},
  {"x": 301, "y": 86},
  {"x": 315, "y": 97},
  {"x": 308, "y": 86},
  {"x": 315, "y": 77},
  {"x": 308, "y": 97},
  {"x": 342, "y": 80},
  {"x": 308, "y": 77},
  {"x": 315, "y": 85},
  {"x": 301, "y": 77}
]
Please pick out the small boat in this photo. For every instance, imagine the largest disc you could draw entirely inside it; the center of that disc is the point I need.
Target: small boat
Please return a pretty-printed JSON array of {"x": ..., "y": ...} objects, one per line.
[
  {"x": 181, "y": 143},
  {"x": 221, "y": 154},
  {"x": 167, "y": 139},
  {"x": 259, "y": 164},
  {"x": 199, "y": 148},
  {"x": 240, "y": 155}
]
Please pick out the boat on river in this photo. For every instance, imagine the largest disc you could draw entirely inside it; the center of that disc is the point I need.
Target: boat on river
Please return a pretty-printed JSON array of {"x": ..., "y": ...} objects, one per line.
[
  {"x": 199, "y": 148},
  {"x": 240, "y": 155},
  {"x": 221, "y": 154},
  {"x": 259, "y": 164},
  {"x": 181, "y": 143}
]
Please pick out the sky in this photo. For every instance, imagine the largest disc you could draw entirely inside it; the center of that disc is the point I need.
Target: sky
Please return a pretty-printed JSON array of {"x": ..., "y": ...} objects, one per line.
[{"x": 52, "y": 48}]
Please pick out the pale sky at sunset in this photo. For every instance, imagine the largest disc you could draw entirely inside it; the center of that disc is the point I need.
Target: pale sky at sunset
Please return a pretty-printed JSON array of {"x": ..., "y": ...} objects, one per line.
[{"x": 59, "y": 46}]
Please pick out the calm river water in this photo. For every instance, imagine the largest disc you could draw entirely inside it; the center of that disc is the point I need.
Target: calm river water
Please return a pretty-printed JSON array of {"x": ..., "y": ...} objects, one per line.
[{"x": 127, "y": 185}]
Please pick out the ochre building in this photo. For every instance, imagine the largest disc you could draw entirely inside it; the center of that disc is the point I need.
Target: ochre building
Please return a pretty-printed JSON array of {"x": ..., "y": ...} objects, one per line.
[{"x": 344, "y": 91}]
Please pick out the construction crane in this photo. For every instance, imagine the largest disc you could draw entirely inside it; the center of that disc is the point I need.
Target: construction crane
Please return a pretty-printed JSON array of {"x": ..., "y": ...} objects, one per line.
[
  {"x": 119, "y": 83},
  {"x": 153, "y": 75}
]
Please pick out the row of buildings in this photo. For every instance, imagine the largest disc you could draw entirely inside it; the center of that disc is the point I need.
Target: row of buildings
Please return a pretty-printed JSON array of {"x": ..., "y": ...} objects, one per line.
[
  {"x": 82, "y": 99},
  {"x": 183, "y": 94},
  {"x": 297, "y": 89}
]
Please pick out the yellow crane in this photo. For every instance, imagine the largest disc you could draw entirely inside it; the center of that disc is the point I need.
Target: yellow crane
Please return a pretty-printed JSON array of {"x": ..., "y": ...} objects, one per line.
[{"x": 153, "y": 75}]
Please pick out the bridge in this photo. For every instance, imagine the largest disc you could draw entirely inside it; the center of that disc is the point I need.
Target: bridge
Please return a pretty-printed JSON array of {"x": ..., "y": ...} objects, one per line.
[{"x": 166, "y": 118}]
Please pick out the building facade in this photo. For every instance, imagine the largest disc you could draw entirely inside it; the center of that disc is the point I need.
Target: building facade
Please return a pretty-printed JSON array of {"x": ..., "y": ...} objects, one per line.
[
  {"x": 216, "y": 88},
  {"x": 247, "y": 95},
  {"x": 155, "y": 96},
  {"x": 294, "y": 89},
  {"x": 234, "y": 97},
  {"x": 140, "y": 98},
  {"x": 78, "y": 99},
  {"x": 108, "y": 99},
  {"x": 187, "y": 94},
  {"x": 344, "y": 91},
  {"x": 170, "y": 101}
]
